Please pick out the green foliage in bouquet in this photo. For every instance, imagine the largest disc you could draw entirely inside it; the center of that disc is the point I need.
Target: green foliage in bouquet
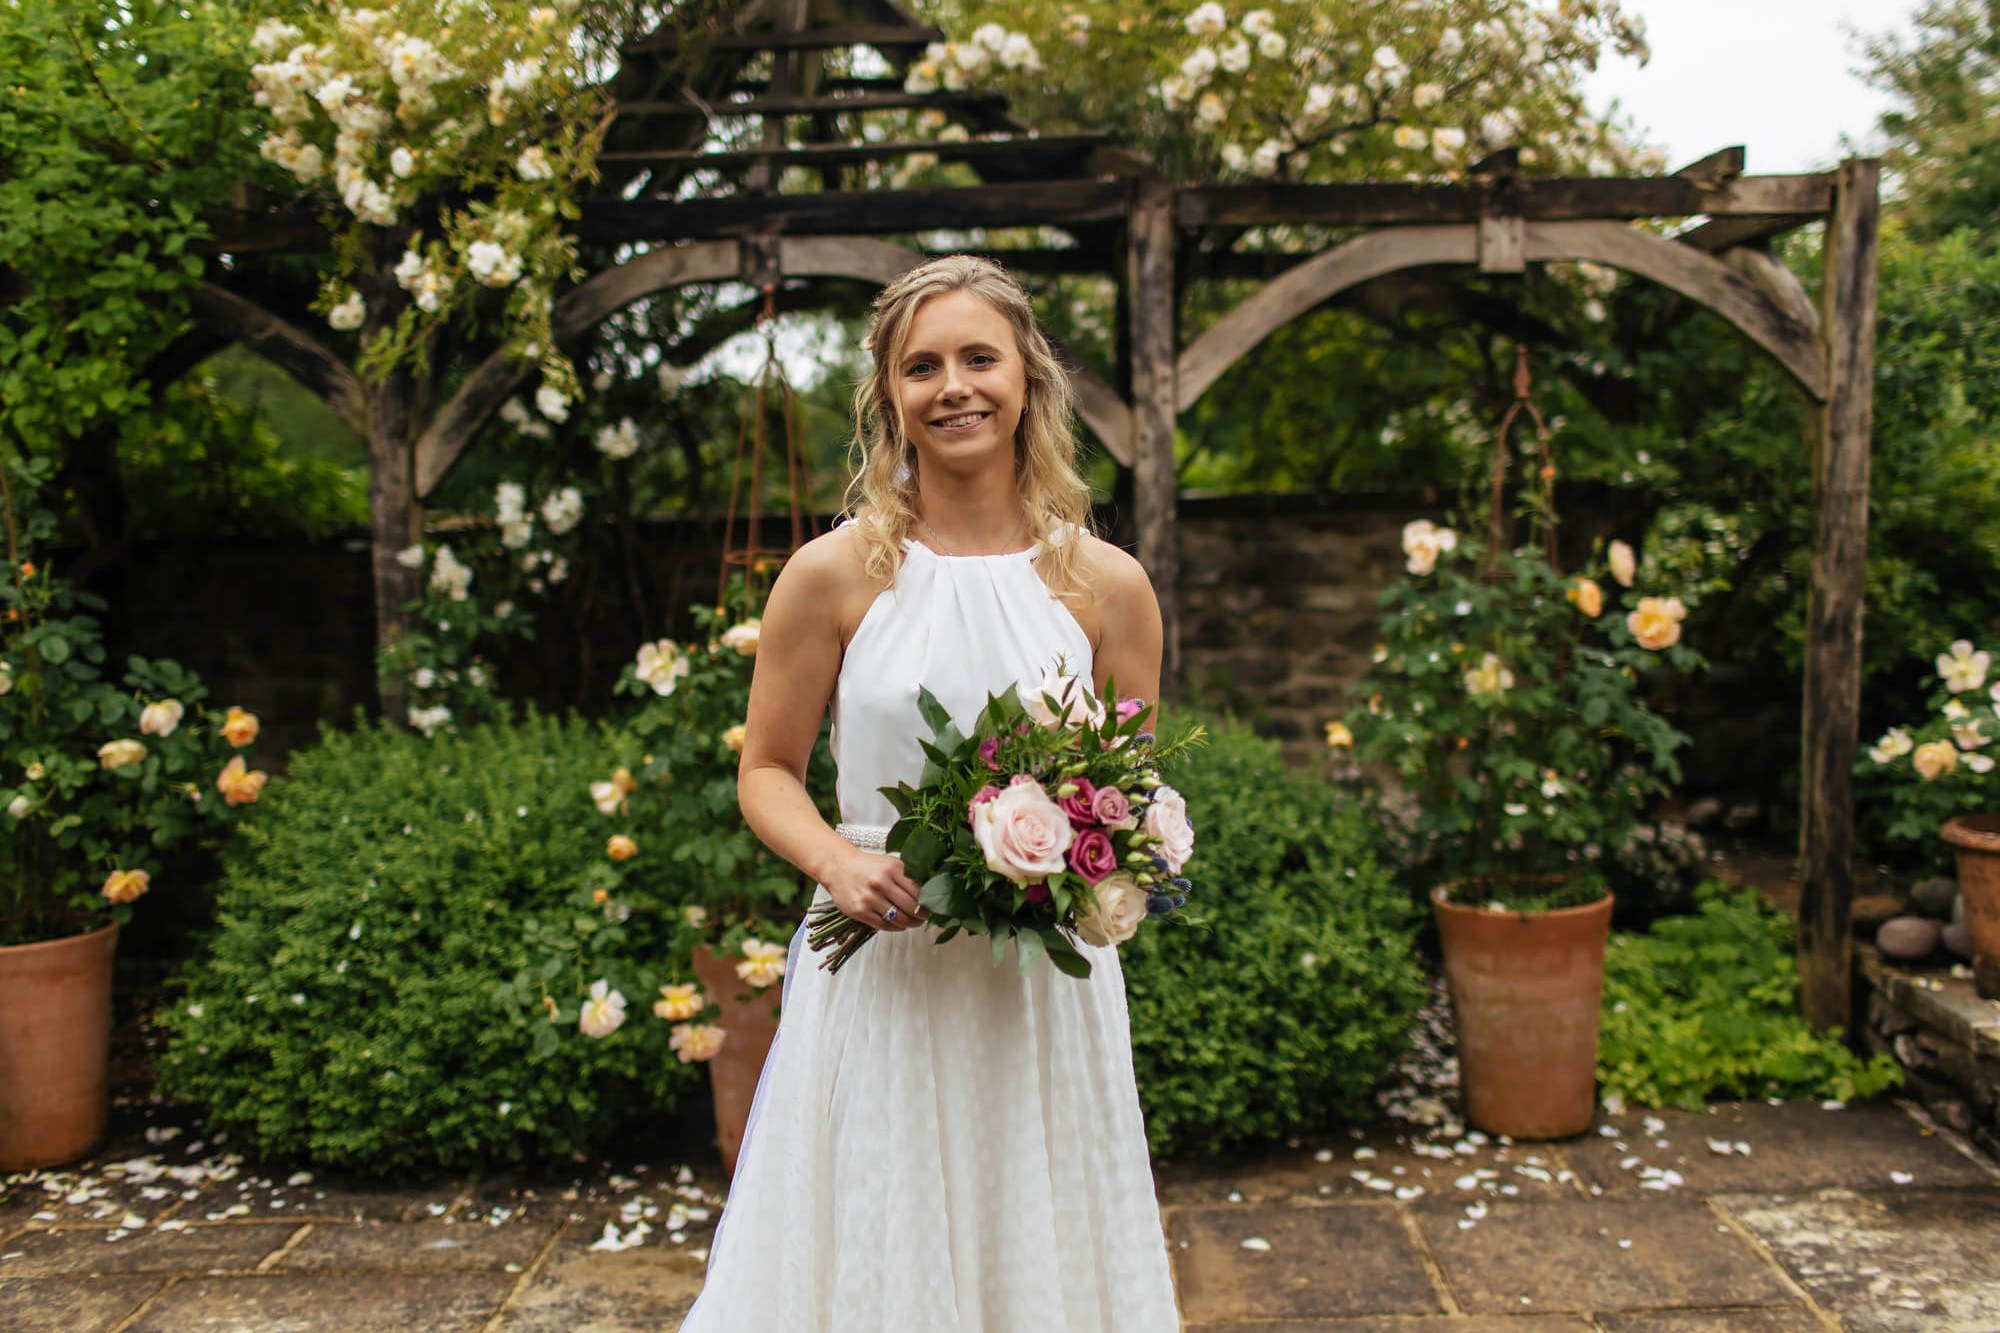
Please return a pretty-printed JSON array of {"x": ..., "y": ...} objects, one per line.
[
  {"x": 1509, "y": 703},
  {"x": 1916, "y": 777},
  {"x": 98, "y": 775},
  {"x": 1284, "y": 1014},
  {"x": 1707, "y": 1006},
  {"x": 422, "y": 957}
]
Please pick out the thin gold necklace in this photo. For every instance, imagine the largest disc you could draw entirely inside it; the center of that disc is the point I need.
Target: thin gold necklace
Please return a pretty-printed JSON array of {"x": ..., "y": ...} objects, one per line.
[{"x": 946, "y": 550}]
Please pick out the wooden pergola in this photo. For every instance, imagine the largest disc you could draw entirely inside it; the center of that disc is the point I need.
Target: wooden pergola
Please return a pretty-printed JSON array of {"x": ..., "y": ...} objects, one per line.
[{"x": 1130, "y": 222}]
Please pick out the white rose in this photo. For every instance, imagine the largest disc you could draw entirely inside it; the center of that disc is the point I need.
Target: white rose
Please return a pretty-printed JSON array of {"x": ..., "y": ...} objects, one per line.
[
  {"x": 160, "y": 719},
  {"x": 743, "y": 638},
  {"x": 1167, "y": 824},
  {"x": 1077, "y": 704},
  {"x": 1119, "y": 907},
  {"x": 1423, "y": 542},
  {"x": 19, "y": 807},
  {"x": 348, "y": 314},
  {"x": 1022, "y": 833},
  {"x": 551, "y": 402},
  {"x": 603, "y": 1013}
]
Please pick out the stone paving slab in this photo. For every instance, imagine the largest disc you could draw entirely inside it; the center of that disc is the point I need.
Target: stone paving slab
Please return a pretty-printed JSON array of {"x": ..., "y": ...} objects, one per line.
[
  {"x": 1793, "y": 1146},
  {"x": 1566, "y": 1255},
  {"x": 642, "y": 1290},
  {"x": 1766, "y": 1319},
  {"x": 1425, "y": 1323},
  {"x": 1340, "y": 1260},
  {"x": 228, "y": 1247},
  {"x": 1299, "y": 1175},
  {"x": 1887, "y": 1261},
  {"x": 397, "y": 1247},
  {"x": 327, "y": 1303},
  {"x": 71, "y": 1304}
]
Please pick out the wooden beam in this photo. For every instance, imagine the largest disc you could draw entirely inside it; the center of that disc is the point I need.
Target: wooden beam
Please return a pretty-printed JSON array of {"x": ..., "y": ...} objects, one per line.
[
  {"x": 803, "y": 105},
  {"x": 1149, "y": 280},
  {"x": 1771, "y": 277},
  {"x": 1724, "y": 164},
  {"x": 1306, "y": 286},
  {"x": 1719, "y": 234},
  {"x": 1545, "y": 199},
  {"x": 838, "y": 154},
  {"x": 285, "y": 346},
  {"x": 1834, "y": 605},
  {"x": 1059, "y": 203},
  {"x": 1695, "y": 275}
]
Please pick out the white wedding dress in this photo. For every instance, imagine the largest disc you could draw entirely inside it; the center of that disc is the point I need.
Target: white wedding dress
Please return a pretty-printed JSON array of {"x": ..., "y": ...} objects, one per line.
[{"x": 938, "y": 1144}]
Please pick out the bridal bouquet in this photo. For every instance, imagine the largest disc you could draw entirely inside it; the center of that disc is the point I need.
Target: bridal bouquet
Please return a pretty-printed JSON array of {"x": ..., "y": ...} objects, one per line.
[{"x": 1048, "y": 821}]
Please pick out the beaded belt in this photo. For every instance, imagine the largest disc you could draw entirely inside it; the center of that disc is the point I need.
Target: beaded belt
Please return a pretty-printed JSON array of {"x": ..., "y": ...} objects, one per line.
[{"x": 868, "y": 837}]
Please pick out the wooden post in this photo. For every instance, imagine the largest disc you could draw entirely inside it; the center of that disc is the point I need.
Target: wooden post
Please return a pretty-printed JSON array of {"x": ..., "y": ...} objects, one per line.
[
  {"x": 1834, "y": 606},
  {"x": 1149, "y": 301}
]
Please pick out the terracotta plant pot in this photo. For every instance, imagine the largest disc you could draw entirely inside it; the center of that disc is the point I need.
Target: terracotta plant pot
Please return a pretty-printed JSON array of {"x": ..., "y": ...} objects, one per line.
[
  {"x": 55, "y": 1048},
  {"x": 1975, "y": 839},
  {"x": 750, "y": 1020},
  {"x": 1525, "y": 991}
]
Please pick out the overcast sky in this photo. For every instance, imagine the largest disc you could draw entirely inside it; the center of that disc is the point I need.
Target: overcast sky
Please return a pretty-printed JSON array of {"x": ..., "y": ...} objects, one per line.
[{"x": 1773, "y": 75}]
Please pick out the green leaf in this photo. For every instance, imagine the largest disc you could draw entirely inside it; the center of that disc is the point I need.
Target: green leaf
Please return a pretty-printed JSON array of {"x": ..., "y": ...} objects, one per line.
[
  {"x": 1029, "y": 945},
  {"x": 1063, "y": 954},
  {"x": 922, "y": 853},
  {"x": 937, "y": 894},
  {"x": 934, "y": 713}
]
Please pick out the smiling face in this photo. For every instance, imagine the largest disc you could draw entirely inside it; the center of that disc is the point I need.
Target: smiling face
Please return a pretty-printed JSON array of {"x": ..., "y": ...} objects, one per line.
[{"x": 960, "y": 381}]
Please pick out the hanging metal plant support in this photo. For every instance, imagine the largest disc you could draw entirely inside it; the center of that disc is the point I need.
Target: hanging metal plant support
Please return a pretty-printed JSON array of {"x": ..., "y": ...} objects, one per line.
[
  {"x": 1539, "y": 495},
  {"x": 756, "y": 560}
]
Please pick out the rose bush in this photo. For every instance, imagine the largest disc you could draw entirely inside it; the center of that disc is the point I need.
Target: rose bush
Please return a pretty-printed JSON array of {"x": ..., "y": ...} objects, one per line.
[{"x": 1916, "y": 776}]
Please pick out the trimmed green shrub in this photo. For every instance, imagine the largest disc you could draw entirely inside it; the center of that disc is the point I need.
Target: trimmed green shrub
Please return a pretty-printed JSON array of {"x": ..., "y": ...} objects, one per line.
[
  {"x": 1707, "y": 1005},
  {"x": 1284, "y": 1012},
  {"x": 403, "y": 947}
]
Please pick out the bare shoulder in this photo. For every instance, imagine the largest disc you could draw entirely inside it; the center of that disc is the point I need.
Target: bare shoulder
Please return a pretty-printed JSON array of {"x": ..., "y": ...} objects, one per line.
[
  {"x": 1117, "y": 580},
  {"x": 826, "y": 582}
]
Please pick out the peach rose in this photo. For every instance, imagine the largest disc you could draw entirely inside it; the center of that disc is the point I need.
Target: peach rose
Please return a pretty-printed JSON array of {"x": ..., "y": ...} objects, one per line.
[
  {"x": 1587, "y": 597},
  {"x": 1624, "y": 565},
  {"x": 743, "y": 638},
  {"x": 733, "y": 738},
  {"x": 237, "y": 786},
  {"x": 696, "y": 1041},
  {"x": 125, "y": 886},
  {"x": 1423, "y": 542},
  {"x": 621, "y": 848},
  {"x": 160, "y": 719},
  {"x": 117, "y": 754},
  {"x": 1119, "y": 906},
  {"x": 1022, "y": 833},
  {"x": 1656, "y": 624},
  {"x": 679, "y": 1002},
  {"x": 1934, "y": 759},
  {"x": 239, "y": 728},
  {"x": 762, "y": 963}
]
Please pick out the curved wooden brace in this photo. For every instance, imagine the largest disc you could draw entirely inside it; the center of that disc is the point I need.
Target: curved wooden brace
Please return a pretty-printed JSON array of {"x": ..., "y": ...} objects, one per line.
[
  {"x": 1695, "y": 275},
  {"x": 284, "y": 345},
  {"x": 500, "y": 373},
  {"x": 1102, "y": 410},
  {"x": 1304, "y": 286}
]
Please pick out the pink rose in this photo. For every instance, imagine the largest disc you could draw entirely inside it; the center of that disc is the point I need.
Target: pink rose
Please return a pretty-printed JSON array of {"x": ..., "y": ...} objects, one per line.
[
  {"x": 1038, "y": 892},
  {"x": 1022, "y": 832},
  {"x": 1167, "y": 824},
  {"x": 1092, "y": 855},
  {"x": 1111, "y": 808},
  {"x": 979, "y": 798},
  {"x": 988, "y": 748},
  {"x": 1077, "y": 805},
  {"x": 1118, "y": 906},
  {"x": 1130, "y": 708}
]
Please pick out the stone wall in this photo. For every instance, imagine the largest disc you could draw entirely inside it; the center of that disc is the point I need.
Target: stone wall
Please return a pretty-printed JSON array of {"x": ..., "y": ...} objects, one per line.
[{"x": 1944, "y": 1035}]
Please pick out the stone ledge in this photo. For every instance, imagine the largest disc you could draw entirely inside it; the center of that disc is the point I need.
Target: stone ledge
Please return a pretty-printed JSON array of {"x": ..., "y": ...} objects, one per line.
[{"x": 1937, "y": 1000}]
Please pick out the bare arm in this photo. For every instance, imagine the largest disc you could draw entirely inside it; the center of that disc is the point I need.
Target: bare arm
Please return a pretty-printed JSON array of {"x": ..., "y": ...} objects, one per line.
[
  {"x": 1129, "y": 640},
  {"x": 798, "y": 662}
]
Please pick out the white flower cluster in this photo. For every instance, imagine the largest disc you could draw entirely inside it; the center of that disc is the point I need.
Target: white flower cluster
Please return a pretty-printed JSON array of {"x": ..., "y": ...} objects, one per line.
[
  {"x": 423, "y": 279},
  {"x": 429, "y": 720},
  {"x": 517, "y": 416},
  {"x": 955, "y": 65},
  {"x": 562, "y": 510},
  {"x": 619, "y": 441},
  {"x": 448, "y": 576},
  {"x": 509, "y": 507}
]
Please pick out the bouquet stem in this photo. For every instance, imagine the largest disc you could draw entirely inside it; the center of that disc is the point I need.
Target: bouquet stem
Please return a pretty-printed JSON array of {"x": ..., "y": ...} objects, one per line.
[{"x": 829, "y": 926}]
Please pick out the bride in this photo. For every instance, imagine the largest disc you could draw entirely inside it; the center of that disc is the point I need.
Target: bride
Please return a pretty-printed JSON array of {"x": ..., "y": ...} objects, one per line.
[{"x": 938, "y": 1144}]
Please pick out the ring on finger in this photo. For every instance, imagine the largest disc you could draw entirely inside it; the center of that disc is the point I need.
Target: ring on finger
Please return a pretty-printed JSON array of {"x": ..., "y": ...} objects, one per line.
[{"x": 889, "y": 915}]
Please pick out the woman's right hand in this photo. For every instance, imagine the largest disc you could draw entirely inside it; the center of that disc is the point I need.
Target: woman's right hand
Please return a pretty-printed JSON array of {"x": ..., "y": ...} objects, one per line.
[{"x": 865, "y": 885}]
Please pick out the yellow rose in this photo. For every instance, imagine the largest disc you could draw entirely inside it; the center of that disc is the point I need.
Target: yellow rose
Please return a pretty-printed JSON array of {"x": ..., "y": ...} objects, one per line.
[
  {"x": 679, "y": 1002},
  {"x": 733, "y": 738},
  {"x": 1656, "y": 624},
  {"x": 124, "y": 886},
  {"x": 237, "y": 786},
  {"x": 117, "y": 754},
  {"x": 1587, "y": 597},
  {"x": 696, "y": 1041},
  {"x": 1338, "y": 737},
  {"x": 621, "y": 848},
  {"x": 695, "y": 915},
  {"x": 762, "y": 963},
  {"x": 239, "y": 728},
  {"x": 606, "y": 796},
  {"x": 1624, "y": 566},
  {"x": 1934, "y": 759},
  {"x": 1489, "y": 677}
]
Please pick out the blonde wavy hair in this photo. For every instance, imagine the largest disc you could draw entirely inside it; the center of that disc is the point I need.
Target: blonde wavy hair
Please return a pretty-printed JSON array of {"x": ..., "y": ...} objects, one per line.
[{"x": 881, "y": 498}]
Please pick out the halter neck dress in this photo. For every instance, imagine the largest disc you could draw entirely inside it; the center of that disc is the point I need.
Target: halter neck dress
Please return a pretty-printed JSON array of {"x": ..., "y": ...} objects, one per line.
[{"x": 939, "y": 1144}]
